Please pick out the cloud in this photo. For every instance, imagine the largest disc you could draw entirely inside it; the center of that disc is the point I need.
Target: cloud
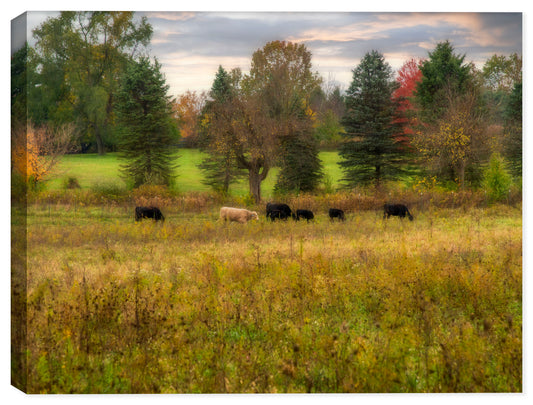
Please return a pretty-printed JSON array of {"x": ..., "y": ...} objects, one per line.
[
  {"x": 191, "y": 45},
  {"x": 170, "y": 16}
]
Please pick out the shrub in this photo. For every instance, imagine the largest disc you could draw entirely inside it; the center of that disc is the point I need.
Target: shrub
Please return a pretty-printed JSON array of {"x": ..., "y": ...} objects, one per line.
[
  {"x": 70, "y": 183},
  {"x": 496, "y": 179}
]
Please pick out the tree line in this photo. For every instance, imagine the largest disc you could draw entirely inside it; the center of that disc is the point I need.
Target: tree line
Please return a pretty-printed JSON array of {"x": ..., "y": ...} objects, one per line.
[{"x": 440, "y": 115}]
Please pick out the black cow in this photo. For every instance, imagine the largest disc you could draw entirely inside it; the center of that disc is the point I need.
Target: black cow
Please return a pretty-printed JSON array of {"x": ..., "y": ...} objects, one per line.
[
  {"x": 148, "y": 212},
  {"x": 276, "y": 214},
  {"x": 336, "y": 213},
  {"x": 280, "y": 211},
  {"x": 306, "y": 214},
  {"x": 397, "y": 210}
]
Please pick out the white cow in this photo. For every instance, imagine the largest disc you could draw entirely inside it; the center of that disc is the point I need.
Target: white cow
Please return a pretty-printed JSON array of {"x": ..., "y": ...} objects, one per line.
[{"x": 237, "y": 215}]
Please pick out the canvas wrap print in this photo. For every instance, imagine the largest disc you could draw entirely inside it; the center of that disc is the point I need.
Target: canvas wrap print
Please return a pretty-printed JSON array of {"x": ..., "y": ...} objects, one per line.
[{"x": 266, "y": 202}]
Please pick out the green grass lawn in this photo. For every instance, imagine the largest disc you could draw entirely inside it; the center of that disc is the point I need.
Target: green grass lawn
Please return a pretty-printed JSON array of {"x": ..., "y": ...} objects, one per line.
[{"x": 93, "y": 170}]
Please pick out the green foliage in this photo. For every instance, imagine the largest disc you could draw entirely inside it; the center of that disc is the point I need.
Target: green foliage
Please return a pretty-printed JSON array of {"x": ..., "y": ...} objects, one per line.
[
  {"x": 370, "y": 153},
  {"x": 80, "y": 57},
  {"x": 443, "y": 71},
  {"x": 220, "y": 167},
  {"x": 300, "y": 167},
  {"x": 148, "y": 131},
  {"x": 513, "y": 130},
  {"x": 497, "y": 180},
  {"x": 328, "y": 130},
  {"x": 19, "y": 86},
  {"x": 220, "y": 171},
  {"x": 502, "y": 73}
]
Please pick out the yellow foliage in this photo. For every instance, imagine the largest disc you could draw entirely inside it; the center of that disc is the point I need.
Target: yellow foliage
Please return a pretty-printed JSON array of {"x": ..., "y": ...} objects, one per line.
[{"x": 25, "y": 157}]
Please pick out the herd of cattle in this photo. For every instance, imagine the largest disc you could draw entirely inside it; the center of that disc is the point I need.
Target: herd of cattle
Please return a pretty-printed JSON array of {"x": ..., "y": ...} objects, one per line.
[{"x": 273, "y": 212}]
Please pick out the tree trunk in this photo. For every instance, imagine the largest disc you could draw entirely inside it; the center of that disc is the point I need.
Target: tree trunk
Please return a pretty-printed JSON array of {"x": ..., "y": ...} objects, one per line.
[
  {"x": 461, "y": 174},
  {"x": 256, "y": 174},
  {"x": 254, "y": 180},
  {"x": 99, "y": 141}
]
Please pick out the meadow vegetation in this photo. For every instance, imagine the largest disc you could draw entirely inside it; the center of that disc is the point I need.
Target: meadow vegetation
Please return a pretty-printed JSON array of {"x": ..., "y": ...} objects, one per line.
[{"x": 193, "y": 305}]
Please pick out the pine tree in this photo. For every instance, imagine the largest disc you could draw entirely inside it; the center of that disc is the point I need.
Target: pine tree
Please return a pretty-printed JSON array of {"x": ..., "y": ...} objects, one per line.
[
  {"x": 302, "y": 168},
  {"x": 147, "y": 130},
  {"x": 370, "y": 153},
  {"x": 220, "y": 166},
  {"x": 513, "y": 130},
  {"x": 443, "y": 72}
]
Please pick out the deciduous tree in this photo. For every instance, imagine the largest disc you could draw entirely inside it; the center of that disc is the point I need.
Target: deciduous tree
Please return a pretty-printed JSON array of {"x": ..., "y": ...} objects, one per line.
[
  {"x": 408, "y": 77},
  {"x": 501, "y": 73},
  {"x": 455, "y": 141},
  {"x": 187, "y": 111},
  {"x": 281, "y": 75},
  {"x": 81, "y": 56}
]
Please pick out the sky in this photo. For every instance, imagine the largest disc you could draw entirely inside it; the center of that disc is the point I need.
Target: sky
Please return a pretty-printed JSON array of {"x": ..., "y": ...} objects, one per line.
[{"x": 191, "y": 45}]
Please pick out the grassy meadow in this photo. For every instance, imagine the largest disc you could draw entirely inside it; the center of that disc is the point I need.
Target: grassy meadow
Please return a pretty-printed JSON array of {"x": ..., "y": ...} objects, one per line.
[
  {"x": 193, "y": 305},
  {"x": 92, "y": 170}
]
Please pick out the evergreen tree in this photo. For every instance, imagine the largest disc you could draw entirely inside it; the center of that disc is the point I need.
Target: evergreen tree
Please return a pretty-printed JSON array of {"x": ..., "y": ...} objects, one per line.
[
  {"x": 513, "y": 130},
  {"x": 442, "y": 73},
  {"x": 147, "y": 130},
  {"x": 302, "y": 168},
  {"x": 370, "y": 153},
  {"x": 19, "y": 86},
  {"x": 220, "y": 166}
]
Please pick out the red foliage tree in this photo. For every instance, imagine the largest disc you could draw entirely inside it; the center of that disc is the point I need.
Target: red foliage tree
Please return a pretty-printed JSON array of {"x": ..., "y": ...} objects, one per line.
[{"x": 408, "y": 77}]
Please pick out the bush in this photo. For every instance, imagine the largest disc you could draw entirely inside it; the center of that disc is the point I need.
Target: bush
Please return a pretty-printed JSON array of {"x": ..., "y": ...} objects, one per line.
[
  {"x": 70, "y": 183},
  {"x": 497, "y": 180}
]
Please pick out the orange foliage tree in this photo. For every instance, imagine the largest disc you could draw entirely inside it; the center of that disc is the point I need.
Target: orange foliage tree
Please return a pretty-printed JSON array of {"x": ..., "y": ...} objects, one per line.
[
  {"x": 187, "y": 109},
  {"x": 35, "y": 151}
]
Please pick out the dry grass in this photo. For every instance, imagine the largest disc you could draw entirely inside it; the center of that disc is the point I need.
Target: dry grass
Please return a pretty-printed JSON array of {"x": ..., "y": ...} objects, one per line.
[{"x": 193, "y": 305}]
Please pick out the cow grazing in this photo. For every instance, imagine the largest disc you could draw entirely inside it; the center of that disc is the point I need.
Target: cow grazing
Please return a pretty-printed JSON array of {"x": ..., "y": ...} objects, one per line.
[
  {"x": 240, "y": 215},
  {"x": 397, "y": 210},
  {"x": 276, "y": 214},
  {"x": 306, "y": 214},
  {"x": 283, "y": 211},
  {"x": 149, "y": 212},
  {"x": 336, "y": 213}
]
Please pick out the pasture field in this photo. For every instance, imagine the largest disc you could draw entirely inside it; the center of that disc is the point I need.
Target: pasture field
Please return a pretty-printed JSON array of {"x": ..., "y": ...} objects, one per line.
[
  {"x": 197, "y": 306},
  {"x": 92, "y": 170}
]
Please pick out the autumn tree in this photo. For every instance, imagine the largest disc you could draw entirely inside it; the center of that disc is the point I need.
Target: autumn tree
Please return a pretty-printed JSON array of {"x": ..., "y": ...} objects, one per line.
[
  {"x": 148, "y": 131},
  {"x": 187, "y": 110},
  {"x": 370, "y": 153},
  {"x": 240, "y": 136},
  {"x": 455, "y": 142},
  {"x": 80, "y": 57},
  {"x": 451, "y": 120},
  {"x": 408, "y": 77},
  {"x": 36, "y": 151},
  {"x": 264, "y": 119},
  {"x": 281, "y": 77}
]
